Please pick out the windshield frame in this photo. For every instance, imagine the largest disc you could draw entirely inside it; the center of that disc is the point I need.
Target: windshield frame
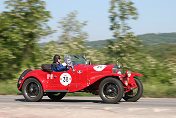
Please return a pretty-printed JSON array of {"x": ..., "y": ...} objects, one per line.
[{"x": 73, "y": 58}]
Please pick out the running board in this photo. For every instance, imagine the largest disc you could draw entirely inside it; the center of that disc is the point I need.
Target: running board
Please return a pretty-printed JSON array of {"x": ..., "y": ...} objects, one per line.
[{"x": 57, "y": 91}]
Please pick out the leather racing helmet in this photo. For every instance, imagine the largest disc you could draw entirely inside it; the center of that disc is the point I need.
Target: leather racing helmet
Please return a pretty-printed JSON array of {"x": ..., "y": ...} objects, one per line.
[{"x": 55, "y": 58}]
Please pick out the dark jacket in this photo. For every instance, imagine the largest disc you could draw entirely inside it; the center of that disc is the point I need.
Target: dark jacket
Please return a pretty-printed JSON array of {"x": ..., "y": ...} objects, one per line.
[{"x": 59, "y": 67}]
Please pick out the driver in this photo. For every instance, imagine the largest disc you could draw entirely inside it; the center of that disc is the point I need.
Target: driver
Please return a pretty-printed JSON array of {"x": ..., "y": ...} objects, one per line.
[{"x": 57, "y": 66}]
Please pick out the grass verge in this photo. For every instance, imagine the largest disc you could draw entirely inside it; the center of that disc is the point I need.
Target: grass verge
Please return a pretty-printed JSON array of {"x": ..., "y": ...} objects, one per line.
[
  {"x": 9, "y": 87},
  {"x": 159, "y": 90}
]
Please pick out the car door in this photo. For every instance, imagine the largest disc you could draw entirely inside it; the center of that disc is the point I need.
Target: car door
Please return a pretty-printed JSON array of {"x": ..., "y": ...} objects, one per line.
[
  {"x": 80, "y": 78},
  {"x": 59, "y": 80}
]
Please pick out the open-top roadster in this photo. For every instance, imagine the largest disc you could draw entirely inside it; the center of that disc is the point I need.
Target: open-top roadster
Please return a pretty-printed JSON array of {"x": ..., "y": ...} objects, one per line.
[{"x": 106, "y": 80}]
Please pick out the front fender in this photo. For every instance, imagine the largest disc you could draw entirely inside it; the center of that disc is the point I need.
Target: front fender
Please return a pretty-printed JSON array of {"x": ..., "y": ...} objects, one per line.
[
  {"x": 119, "y": 75},
  {"x": 93, "y": 79},
  {"x": 136, "y": 74}
]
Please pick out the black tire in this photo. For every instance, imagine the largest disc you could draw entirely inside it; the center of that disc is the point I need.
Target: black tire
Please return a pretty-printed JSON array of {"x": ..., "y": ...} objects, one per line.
[
  {"x": 56, "y": 96},
  {"x": 32, "y": 90},
  {"x": 111, "y": 90},
  {"x": 133, "y": 97},
  {"x": 22, "y": 75}
]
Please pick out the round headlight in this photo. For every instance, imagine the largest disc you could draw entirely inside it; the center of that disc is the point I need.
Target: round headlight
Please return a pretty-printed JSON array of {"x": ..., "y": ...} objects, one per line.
[
  {"x": 129, "y": 73},
  {"x": 118, "y": 65},
  {"x": 117, "y": 62}
]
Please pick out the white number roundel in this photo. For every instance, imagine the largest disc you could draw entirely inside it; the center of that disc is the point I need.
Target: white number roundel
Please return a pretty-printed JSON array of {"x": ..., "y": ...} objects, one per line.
[
  {"x": 65, "y": 79},
  {"x": 99, "y": 67}
]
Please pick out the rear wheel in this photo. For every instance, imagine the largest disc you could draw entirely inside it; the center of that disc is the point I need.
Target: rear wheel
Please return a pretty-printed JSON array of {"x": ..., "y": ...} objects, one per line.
[
  {"x": 111, "y": 90},
  {"x": 56, "y": 96},
  {"x": 32, "y": 90},
  {"x": 134, "y": 95}
]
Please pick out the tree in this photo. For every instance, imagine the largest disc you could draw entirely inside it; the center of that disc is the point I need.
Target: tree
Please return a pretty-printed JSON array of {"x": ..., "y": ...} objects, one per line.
[
  {"x": 21, "y": 28},
  {"x": 96, "y": 57},
  {"x": 71, "y": 40},
  {"x": 121, "y": 11},
  {"x": 50, "y": 49},
  {"x": 72, "y": 37}
]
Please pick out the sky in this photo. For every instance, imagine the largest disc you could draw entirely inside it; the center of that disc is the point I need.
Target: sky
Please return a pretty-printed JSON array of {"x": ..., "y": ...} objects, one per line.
[{"x": 155, "y": 16}]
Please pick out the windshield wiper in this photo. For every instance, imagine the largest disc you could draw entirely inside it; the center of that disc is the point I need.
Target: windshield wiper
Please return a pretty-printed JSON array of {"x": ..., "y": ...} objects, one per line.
[
  {"x": 84, "y": 57},
  {"x": 76, "y": 56}
]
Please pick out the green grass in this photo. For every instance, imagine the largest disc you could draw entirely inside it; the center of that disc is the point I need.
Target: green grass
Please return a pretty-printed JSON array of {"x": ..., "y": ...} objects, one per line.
[
  {"x": 159, "y": 90},
  {"x": 9, "y": 87}
]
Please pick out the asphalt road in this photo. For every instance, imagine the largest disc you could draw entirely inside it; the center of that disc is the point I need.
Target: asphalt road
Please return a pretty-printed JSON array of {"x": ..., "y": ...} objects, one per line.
[{"x": 86, "y": 107}]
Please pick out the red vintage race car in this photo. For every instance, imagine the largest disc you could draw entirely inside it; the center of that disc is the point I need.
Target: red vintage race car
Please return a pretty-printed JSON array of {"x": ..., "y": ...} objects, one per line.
[{"x": 106, "y": 80}]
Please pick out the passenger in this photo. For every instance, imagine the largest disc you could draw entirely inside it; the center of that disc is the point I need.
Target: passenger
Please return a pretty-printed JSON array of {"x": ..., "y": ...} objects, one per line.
[{"x": 57, "y": 66}]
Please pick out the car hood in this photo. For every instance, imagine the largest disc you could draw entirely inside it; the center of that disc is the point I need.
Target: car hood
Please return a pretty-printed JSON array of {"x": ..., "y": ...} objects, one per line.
[{"x": 97, "y": 68}]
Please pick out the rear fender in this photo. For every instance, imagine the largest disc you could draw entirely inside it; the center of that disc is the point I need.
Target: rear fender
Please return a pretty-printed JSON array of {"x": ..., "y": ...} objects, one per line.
[{"x": 36, "y": 76}]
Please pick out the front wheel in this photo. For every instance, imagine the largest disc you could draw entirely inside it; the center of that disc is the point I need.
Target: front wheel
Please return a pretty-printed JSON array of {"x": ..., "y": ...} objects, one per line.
[
  {"x": 111, "y": 90},
  {"x": 32, "y": 90},
  {"x": 134, "y": 95},
  {"x": 56, "y": 96}
]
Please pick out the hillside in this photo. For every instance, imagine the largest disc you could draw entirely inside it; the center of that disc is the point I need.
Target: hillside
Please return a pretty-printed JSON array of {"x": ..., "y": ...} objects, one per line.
[
  {"x": 153, "y": 39},
  {"x": 147, "y": 39}
]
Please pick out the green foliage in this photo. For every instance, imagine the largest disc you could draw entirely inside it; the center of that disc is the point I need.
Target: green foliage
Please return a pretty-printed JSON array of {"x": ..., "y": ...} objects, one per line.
[
  {"x": 121, "y": 11},
  {"x": 128, "y": 49},
  {"x": 24, "y": 23},
  {"x": 164, "y": 53},
  {"x": 123, "y": 48},
  {"x": 161, "y": 51},
  {"x": 21, "y": 28},
  {"x": 71, "y": 40},
  {"x": 72, "y": 36},
  {"x": 49, "y": 50}
]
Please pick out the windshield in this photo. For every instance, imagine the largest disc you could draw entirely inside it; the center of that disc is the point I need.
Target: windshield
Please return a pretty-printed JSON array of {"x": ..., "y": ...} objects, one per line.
[{"x": 76, "y": 59}]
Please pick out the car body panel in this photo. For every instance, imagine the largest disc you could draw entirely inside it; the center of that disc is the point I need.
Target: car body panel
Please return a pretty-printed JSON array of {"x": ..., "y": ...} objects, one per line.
[{"x": 81, "y": 77}]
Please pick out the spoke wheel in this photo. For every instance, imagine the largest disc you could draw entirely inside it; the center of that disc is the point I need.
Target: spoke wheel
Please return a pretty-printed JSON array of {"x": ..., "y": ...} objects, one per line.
[
  {"x": 134, "y": 95},
  {"x": 32, "y": 90},
  {"x": 111, "y": 90}
]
